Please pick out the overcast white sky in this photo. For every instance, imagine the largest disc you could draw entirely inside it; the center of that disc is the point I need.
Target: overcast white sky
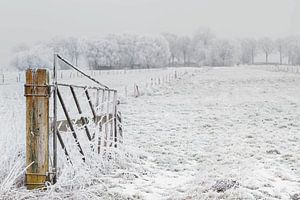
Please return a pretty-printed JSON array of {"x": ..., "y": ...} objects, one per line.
[{"x": 29, "y": 21}]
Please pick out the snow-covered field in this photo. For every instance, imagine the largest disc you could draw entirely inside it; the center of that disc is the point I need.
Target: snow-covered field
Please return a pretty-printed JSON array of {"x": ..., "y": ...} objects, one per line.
[{"x": 215, "y": 133}]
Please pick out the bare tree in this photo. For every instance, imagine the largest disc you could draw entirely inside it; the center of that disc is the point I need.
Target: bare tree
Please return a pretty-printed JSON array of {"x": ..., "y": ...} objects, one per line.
[
  {"x": 267, "y": 46},
  {"x": 248, "y": 48},
  {"x": 293, "y": 49},
  {"x": 281, "y": 48},
  {"x": 205, "y": 36},
  {"x": 184, "y": 44},
  {"x": 173, "y": 47},
  {"x": 253, "y": 46},
  {"x": 222, "y": 53},
  {"x": 73, "y": 48},
  {"x": 202, "y": 41}
]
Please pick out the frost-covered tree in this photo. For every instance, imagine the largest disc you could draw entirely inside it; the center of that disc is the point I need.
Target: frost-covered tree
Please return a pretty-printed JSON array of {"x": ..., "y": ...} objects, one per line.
[
  {"x": 267, "y": 46},
  {"x": 74, "y": 48},
  {"x": 293, "y": 49},
  {"x": 128, "y": 50},
  {"x": 135, "y": 50},
  {"x": 172, "y": 40},
  {"x": 205, "y": 36},
  {"x": 280, "y": 45},
  {"x": 36, "y": 57},
  {"x": 248, "y": 50},
  {"x": 222, "y": 53},
  {"x": 70, "y": 47},
  {"x": 253, "y": 46},
  {"x": 184, "y": 47},
  {"x": 94, "y": 54},
  {"x": 153, "y": 51},
  {"x": 102, "y": 53},
  {"x": 202, "y": 41}
]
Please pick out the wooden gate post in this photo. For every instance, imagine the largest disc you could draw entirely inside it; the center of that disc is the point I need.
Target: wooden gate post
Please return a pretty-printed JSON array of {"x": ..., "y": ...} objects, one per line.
[{"x": 37, "y": 94}]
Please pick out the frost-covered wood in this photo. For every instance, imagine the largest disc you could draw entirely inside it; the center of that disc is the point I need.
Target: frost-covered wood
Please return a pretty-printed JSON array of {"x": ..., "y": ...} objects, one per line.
[{"x": 37, "y": 127}]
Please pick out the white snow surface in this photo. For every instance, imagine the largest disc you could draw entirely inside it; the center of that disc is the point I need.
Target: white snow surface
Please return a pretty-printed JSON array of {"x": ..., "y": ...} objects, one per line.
[{"x": 182, "y": 140}]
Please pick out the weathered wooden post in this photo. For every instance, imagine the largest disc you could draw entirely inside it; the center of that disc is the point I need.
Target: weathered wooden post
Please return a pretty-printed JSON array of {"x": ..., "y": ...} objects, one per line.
[{"x": 37, "y": 127}]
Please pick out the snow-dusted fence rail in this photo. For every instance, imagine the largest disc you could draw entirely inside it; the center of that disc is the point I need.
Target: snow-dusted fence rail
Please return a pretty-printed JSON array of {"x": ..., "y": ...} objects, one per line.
[{"x": 86, "y": 121}]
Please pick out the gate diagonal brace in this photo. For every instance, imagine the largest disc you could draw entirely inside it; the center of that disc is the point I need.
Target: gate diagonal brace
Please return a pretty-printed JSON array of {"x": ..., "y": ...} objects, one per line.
[{"x": 70, "y": 123}]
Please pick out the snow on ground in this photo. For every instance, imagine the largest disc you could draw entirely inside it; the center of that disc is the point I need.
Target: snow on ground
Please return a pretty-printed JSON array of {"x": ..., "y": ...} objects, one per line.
[
  {"x": 234, "y": 124},
  {"x": 222, "y": 133}
]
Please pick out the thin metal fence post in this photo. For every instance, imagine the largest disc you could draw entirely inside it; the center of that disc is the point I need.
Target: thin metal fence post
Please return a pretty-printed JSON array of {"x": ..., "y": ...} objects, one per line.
[
  {"x": 107, "y": 120},
  {"x": 100, "y": 136},
  {"x": 54, "y": 128},
  {"x": 114, "y": 122}
]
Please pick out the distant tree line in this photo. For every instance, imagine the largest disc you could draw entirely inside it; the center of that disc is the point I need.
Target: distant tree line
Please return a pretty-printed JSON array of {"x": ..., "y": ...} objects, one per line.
[{"x": 203, "y": 48}]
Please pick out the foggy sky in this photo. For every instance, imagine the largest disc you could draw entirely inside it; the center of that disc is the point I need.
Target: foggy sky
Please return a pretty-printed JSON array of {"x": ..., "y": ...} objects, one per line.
[{"x": 30, "y": 21}]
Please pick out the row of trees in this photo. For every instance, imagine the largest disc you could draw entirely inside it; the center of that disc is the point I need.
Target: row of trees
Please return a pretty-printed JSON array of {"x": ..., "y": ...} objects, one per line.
[
  {"x": 287, "y": 49},
  {"x": 204, "y": 48},
  {"x": 113, "y": 51},
  {"x": 145, "y": 51}
]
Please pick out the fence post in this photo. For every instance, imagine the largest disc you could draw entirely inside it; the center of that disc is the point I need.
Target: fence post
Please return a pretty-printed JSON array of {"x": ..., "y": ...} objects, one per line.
[
  {"x": 37, "y": 127},
  {"x": 126, "y": 91},
  {"x": 136, "y": 91}
]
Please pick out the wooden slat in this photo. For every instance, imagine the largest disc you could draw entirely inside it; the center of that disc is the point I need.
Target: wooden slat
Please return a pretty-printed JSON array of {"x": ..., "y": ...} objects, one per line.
[{"x": 37, "y": 128}]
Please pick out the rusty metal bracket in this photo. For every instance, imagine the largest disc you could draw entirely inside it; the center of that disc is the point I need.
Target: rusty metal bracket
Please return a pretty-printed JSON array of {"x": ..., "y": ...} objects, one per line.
[{"x": 37, "y": 90}]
